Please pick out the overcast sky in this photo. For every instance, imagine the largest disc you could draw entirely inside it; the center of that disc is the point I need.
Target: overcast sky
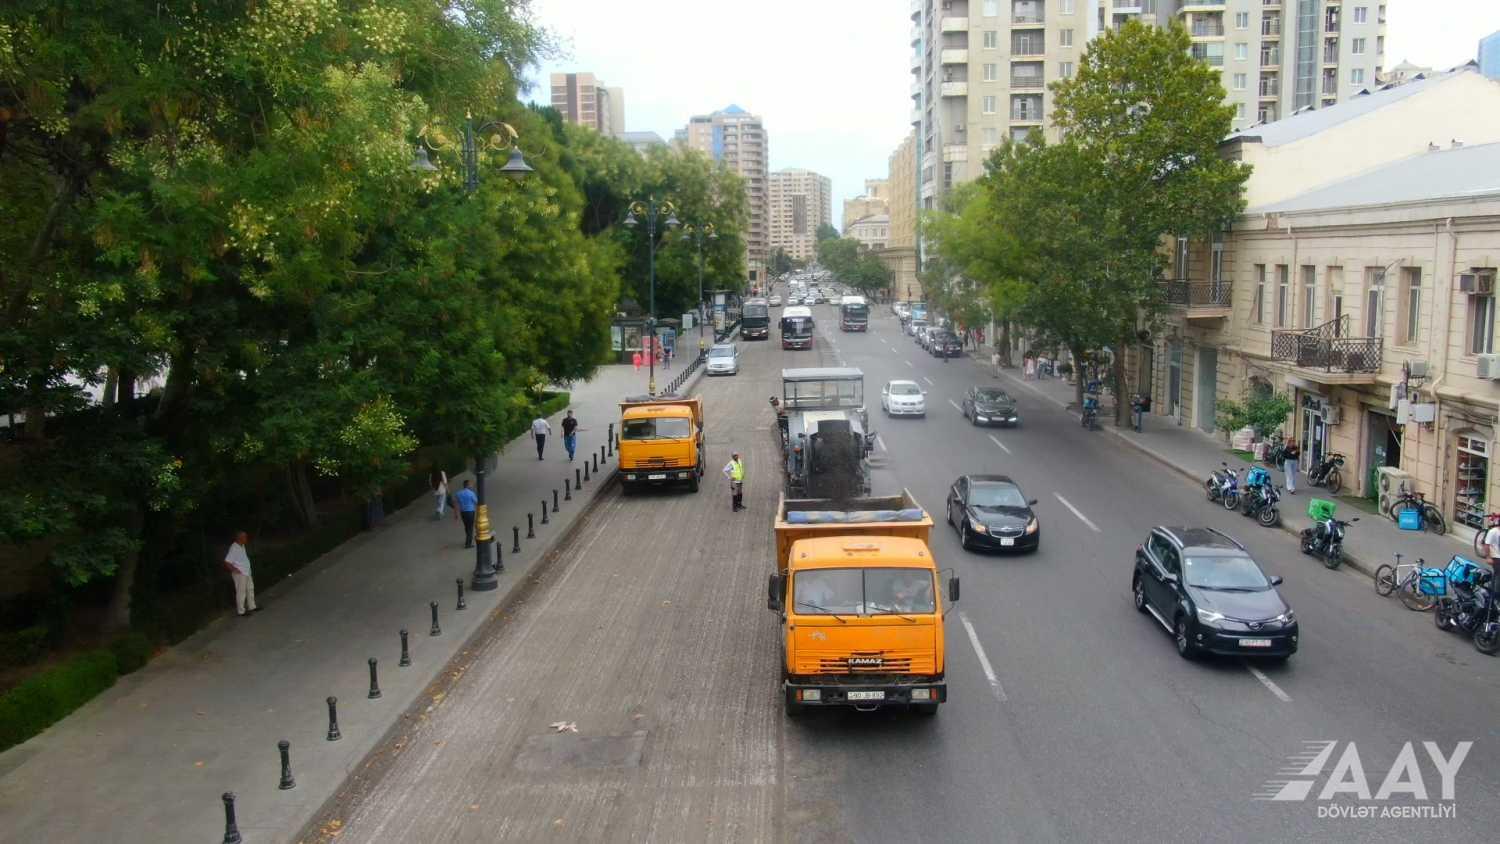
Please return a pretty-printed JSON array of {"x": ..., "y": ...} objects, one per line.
[{"x": 830, "y": 77}]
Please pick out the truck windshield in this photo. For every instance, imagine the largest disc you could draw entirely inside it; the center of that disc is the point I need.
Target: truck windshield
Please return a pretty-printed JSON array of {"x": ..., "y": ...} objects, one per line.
[
  {"x": 797, "y": 326},
  {"x": 863, "y": 592},
  {"x": 656, "y": 429}
]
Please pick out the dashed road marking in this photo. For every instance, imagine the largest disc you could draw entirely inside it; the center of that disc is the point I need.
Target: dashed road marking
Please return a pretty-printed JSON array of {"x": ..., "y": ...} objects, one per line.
[
  {"x": 1002, "y": 446},
  {"x": 1269, "y": 684},
  {"x": 955, "y": 405},
  {"x": 1076, "y": 512},
  {"x": 929, "y": 381},
  {"x": 984, "y": 661},
  {"x": 907, "y": 362}
]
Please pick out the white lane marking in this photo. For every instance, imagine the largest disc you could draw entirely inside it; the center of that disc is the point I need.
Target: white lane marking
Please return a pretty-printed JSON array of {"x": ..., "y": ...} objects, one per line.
[
  {"x": 880, "y": 442},
  {"x": 907, "y": 362},
  {"x": 955, "y": 405},
  {"x": 1001, "y": 444},
  {"x": 1266, "y": 681},
  {"x": 984, "y": 661},
  {"x": 1081, "y": 516},
  {"x": 929, "y": 381}
]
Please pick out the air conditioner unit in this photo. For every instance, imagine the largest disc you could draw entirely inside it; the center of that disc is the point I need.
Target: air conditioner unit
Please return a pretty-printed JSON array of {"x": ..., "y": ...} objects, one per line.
[
  {"x": 1390, "y": 481},
  {"x": 1480, "y": 282},
  {"x": 1489, "y": 367},
  {"x": 1398, "y": 394},
  {"x": 1332, "y": 414},
  {"x": 1416, "y": 369}
]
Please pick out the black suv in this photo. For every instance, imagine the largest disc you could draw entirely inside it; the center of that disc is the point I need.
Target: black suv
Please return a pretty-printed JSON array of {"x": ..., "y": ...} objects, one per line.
[
  {"x": 1211, "y": 596},
  {"x": 944, "y": 344}
]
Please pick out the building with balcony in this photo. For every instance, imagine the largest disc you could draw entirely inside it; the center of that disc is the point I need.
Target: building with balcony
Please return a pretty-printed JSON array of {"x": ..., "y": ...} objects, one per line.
[
  {"x": 737, "y": 139},
  {"x": 800, "y": 201},
  {"x": 583, "y": 99}
]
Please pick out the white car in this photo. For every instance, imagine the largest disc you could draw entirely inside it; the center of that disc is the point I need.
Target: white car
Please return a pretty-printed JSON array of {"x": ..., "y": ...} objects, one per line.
[
  {"x": 915, "y": 325},
  {"x": 775, "y": 301},
  {"x": 903, "y": 398},
  {"x": 723, "y": 359}
]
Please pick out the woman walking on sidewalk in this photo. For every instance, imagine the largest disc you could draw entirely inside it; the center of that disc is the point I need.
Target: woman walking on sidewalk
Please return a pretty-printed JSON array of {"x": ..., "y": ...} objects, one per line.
[
  {"x": 1289, "y": 455},
  {"x": 439, "y": 494}
]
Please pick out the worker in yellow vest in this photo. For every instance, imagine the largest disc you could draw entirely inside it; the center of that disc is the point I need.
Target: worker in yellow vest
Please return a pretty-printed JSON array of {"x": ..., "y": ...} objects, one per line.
[{"x": 734, "y": 470}]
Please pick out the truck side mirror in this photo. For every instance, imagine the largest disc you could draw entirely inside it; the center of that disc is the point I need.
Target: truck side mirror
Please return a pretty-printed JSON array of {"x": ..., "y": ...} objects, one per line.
[
  {"x": 953, "y": 589},
  {"x": 773, "y": 591}
]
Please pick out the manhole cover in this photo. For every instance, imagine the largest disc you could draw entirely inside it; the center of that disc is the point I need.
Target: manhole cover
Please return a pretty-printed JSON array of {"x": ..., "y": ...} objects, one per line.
[{"x": 568, "y": 750}]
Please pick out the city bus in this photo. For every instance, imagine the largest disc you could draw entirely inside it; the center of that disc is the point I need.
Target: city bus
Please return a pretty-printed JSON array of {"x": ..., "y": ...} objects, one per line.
[
  {"x": 854, "y": 314},
  {"x": 755, "y": 320},
  {"x": 797, "y": 327}
]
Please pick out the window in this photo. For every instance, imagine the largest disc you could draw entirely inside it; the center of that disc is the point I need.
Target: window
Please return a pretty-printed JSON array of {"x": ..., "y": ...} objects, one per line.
[
  {"x": 1361, "y": 14},
  {"x": 1357, "y": 76},
  {"x": 990, "y": 9},
  {"x": 988, "y": 105},
  {"x": 1283, "y": 295},
  {"x": 1309, "y": 295},
  {"x": 1374, "y": 302},
  {"x": 1258, "y": 305},
  {"x": 991, "y": 135},
  {"x": 1411, "y": 294},
  {"x": 1380, "y": 45},
  {"x": 1065, "y": 70},
  {"x": 1066, "y": 7},
  {"x": 991, "y": 72},
  {"x": 1241, "y": 20},
  {"x": 1357, "y": 46},
  {"x": 1019, "y": 134},
  {"x": 1481, "y": 325},
  {"x": 1240, "y": 110},
  {"x": 1182, "y": 259},
  {"x": 1240, "y": 81},
  {"x": 1065, "y": 38},
  {"x": 991, "y": 39},
  {"x": 1241, "y": 51}
]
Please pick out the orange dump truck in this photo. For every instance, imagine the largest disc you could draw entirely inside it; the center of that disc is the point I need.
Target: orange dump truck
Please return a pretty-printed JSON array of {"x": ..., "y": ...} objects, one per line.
[
  {"x": 859, "y": 597},
  {"x": 661, "y": 441}
]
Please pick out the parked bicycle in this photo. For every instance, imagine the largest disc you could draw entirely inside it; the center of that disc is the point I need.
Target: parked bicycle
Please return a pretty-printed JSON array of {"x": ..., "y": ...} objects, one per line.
[
  {"x": 1420, "y": 586},
  {"x": 1327, "y": 474},
  {"x": 1429, "y": 517}
]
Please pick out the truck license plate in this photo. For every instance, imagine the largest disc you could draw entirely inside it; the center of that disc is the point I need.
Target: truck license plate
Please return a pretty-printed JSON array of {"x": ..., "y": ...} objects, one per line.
[
  {"x": 656, "y": 477},
  {"x": 867, "y": 695},
  {"x": 1255, "y": 643}
]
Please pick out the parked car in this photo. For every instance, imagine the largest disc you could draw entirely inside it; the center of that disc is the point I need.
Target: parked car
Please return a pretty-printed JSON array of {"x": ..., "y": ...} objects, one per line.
[
  {"x": 723, "y": 359},
  {"x": 944, "y": 344},
  {"x": 901, "y": 310},
  {"x": 990, "y": 406},
  {"x": 1211, "y": 595},
  {"x": 924, "y": 335},
  {"x": 991, "y": 512},
  {"x": 915, "y": 325},
  {"x": 775, "y": 301},
  {"x": 903, "y": 398}
]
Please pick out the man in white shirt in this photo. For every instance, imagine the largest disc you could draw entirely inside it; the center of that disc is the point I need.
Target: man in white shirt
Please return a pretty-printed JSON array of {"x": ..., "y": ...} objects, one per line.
[
  {"x": 237, "y": 562},
  {"x": 540, "y": 429},
  {"x": 1492, "y": 544}
]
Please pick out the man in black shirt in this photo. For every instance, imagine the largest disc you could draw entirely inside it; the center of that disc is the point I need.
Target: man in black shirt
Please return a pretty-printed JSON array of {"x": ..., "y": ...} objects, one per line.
[{"x": 570, "y": 435}]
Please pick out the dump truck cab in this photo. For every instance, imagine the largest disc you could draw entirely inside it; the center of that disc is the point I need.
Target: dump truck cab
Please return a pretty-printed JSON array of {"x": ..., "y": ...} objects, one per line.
[
  {"x": 661, "y": 441},
  {"x": 860, "y": 601}
]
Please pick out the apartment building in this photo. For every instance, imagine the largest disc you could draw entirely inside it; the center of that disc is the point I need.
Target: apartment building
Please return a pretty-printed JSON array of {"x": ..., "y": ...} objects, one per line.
[
  {"x": 800, "y": 201},
  {"x": 583, "y": 99},
  {"x": 737, "y": 139},
  {"x": 900, "y": 252}
]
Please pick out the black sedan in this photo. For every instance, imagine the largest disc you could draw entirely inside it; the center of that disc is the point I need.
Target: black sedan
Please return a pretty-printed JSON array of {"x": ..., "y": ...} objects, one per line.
[
  {"x": 1207, "y": 591},
  {"x": 990, "y": 406},
  {"x": 990, "y": 512},
  {"x": 944, "y": 344}
]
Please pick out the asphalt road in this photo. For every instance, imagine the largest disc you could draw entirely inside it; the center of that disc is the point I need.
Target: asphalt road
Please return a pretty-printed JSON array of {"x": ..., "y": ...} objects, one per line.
[{"x": 651, "y": 637}]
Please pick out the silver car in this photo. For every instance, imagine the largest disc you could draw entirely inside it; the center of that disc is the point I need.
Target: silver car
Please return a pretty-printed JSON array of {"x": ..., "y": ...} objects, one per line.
[
  {"x": 903, "y": 398},
  {"x": 723, "y": 359}
]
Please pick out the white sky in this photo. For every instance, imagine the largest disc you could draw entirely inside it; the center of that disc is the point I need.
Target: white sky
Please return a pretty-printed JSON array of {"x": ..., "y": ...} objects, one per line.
[{"x": 830, "y": 77}]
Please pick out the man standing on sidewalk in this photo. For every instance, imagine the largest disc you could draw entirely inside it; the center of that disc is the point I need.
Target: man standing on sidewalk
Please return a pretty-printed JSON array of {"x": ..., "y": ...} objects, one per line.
[
  {"x": 237, "y": 563},
  {"x": 734, "y": 470},
  {"x": 570, "y": 434},
  {"x": 1492, "y": 545},
  {"x": 540, "y": 429},
  {"x": 467, "y": 502},
  {"x": 1289, "y": 455}
]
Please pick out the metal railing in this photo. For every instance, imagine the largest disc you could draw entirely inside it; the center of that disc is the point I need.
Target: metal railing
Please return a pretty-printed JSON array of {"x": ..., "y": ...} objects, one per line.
[
  {"x": 1198, "y": 294},
  {"x": 700, "y": 359},
  {"x": 1328, "y": 347}
]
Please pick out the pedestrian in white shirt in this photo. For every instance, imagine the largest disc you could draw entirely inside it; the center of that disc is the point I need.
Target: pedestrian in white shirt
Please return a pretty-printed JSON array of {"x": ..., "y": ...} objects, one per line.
[
  {"x": 540, "y": 429},
  {"x": 1492, "y": 544},
  {"x": 439, "y": 494},
  {"x": 237, "y": 562}
]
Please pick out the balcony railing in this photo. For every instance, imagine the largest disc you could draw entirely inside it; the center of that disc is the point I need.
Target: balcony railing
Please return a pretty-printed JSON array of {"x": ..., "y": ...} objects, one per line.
[
  {"x": 1328, "y": 347},
  {"x": 1198, "y": 294}
]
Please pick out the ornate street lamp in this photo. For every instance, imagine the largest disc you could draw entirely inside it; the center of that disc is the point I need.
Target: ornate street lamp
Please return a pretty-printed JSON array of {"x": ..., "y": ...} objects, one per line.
[
  {"x": 699, "y": 233},
  {"x": 652, "y": 210}
]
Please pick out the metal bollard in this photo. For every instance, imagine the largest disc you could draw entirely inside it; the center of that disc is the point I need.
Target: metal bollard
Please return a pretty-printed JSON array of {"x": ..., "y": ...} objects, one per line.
[
  {"x": 596, "y": 465},
  {"x": 515, "y": 536},
  {"x": 461, "y": 604},
  {"x": 286, "y": 765},
  {"x": 544, "y": 511},
  {"x": 530, "y": 527},
  {"x": 436, "y": 630},
  {"x": 405, "y": 652},
  {"x": 610, "y": 440},
  {"x": 602, "y": 458},
  {"x": 333, "y": 719},
  {"x": 554, "y": 501},
  {"x": 578, "y": 479},
  {"x": 499, "y": 558},
  {"x": 567, "y": 489},
  {"x": 374, "y": 683},
  {"x": 585, "y": 470},
  {"x": 231, "y": 829}
]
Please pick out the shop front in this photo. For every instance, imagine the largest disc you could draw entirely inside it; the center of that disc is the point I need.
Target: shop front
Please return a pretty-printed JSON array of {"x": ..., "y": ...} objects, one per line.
[
  {"x": 1312, "y": 430},
  {"x": 1471, "y": 467}
]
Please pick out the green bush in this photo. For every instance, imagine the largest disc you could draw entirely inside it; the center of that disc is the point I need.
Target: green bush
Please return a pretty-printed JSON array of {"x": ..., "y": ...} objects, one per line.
[
  {"x": 1261, "y": 413},
  {"x": 131, "y": 652},
  {"x": 24, "y": 646},
  {"x": 46, "y": 698}
]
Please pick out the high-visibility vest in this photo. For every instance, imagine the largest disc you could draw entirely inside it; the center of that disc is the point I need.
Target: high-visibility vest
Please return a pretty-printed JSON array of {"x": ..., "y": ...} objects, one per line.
[{"x": 736, "y": 471}]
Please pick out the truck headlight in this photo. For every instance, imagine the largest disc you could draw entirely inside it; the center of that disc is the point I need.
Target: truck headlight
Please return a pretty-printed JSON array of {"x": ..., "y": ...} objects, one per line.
[
  {"x": 810, "y": 694},
  {"x": 921, "y": 694}
]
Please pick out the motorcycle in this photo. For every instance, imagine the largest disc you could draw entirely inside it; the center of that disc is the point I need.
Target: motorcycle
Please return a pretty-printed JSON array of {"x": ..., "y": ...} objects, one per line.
[
  {"x": 1229, "y": 488},
  {"x": 1260, "y": 500},
  {"x": 1471, "y": 605},
  {"x": 1325, "y": 540},
  {"x": 1213, "y": 485},
  {"x": 1326, "y": 473},
  {"x": 1090, "y": 417}
]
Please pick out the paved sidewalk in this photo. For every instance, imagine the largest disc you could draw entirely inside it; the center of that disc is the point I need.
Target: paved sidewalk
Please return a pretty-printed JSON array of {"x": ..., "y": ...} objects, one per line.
[
  {"x": 1194, "y": 454},
  {"x": 149, "y": 758}
]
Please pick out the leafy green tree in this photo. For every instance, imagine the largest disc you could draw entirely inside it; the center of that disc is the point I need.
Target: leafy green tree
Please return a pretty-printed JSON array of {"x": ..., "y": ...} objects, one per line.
[
  {"x": 780, "y": 262},
  {"x": 826, "y": 231},
  {"x": 1263, "y": 414}
]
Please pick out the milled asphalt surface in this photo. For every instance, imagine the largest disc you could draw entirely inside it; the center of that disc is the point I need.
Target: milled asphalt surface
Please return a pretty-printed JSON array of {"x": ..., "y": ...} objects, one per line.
[{"x": 651, "y": 638}]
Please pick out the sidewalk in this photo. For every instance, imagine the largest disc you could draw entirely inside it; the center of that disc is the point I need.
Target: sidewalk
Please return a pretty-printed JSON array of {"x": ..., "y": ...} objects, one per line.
[
  {"x": 149, "y": 758},
  {"x": 1195, "y": 455}
]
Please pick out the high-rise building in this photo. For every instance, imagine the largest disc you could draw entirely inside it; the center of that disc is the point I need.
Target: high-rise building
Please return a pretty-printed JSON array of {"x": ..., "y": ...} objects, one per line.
[
  {"x": 1489, "y": 55},
  {"x": 980, "y": 68},
  {"x": 583, "y": 99},
  {"x": 800, "y": 201},
  {"x": 737, "y": 139}
]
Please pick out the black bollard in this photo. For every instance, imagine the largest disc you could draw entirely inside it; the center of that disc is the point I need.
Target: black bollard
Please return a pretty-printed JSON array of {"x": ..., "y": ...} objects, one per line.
[
  {"x": 333, "y": 719},
  {"x": 499, "y": 557},
  {"x": 515, "y": 540},
  {"x": 530, "y": 527},
  {"x": 610, "y": 440},
  {"x": 461, "y": 604},
  {"x": 578, "y": 479},
  {"x": 544, "y": 511},
  {"x": 585, "y": 470},
  {"x": 231, "y": 829},
  {"x": 596, "y": 465},
  {"x": 436, "y": 630},
  {"x": 554, "y": 501},
  {"x": 567, "y": 489},
  {"x": 286, "y": 765},
  {"x": 374, "y": 683},
  {"x": 405, "y": 652},
  {"x": 602, "y": 458}
]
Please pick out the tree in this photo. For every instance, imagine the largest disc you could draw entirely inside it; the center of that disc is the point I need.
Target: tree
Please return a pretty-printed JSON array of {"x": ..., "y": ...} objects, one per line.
[
  {"x": 780, "y": 263},
  {"x": 1261, "y": 413},
  {"x": 826, "y": 231}
]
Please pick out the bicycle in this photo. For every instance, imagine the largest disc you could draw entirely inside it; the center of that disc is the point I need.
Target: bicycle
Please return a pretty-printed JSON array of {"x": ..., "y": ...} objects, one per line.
[
  {"x": 1389, "y": 578},
  {"x": 1429, "y": 516}
]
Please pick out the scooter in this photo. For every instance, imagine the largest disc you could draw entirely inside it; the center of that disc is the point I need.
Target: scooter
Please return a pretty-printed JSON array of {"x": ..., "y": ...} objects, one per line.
[
  {"x": 1471, "y": 606},
  {"x": 1213, "y": 485},
  {"x": 1325, "y": 540},
  {"x": 1229, "y": 490}
]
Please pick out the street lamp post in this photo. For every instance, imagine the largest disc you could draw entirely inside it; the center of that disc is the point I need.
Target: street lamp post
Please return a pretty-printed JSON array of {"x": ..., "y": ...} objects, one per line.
[
  {"x": 515, "y": 168},
  {"x": 652, "y": 209},
  {"x": 700, "y": 232}
]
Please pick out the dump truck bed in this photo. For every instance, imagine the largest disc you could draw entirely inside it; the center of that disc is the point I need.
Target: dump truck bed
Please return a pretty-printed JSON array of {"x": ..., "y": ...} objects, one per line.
[{"x": 805, "y": 518}]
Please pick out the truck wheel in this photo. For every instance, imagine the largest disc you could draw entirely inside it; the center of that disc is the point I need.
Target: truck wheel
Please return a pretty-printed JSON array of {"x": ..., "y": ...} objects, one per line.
[
  {"x": 927, "y": 710},
  {"x": 693, "y": 483},
  {"x": 626, "y": 488}
]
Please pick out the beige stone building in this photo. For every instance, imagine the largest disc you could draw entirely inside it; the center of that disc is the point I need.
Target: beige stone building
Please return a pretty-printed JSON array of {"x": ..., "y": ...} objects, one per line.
[
  {"x": 875, "y": 200},
  {"x": 737, "y": 139},
  {"x": 800, "y": 201},
  {"x": 583, "y": 99},
  {"x": 900, "y": 254},
  {"x": 874, "y": 232}
]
